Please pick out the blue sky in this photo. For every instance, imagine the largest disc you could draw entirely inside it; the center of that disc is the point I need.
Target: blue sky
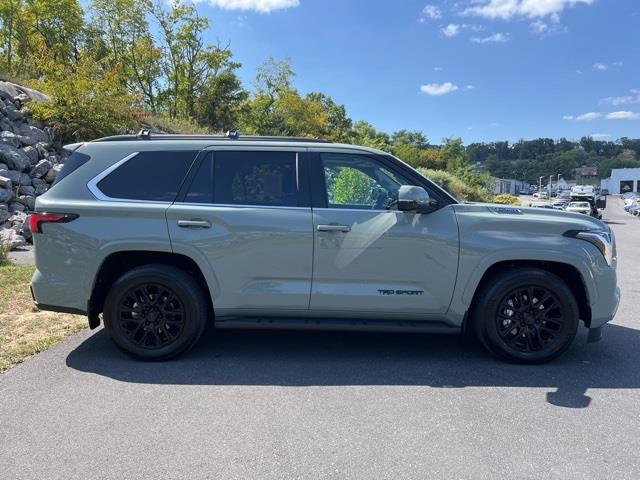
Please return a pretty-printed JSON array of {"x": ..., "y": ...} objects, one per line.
[{"x": 480, "y": 69}]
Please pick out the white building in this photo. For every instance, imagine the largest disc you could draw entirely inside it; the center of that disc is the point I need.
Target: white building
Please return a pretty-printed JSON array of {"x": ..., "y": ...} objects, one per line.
[
  {"x": 509, "y": 185},
  {"x": 622, "y": 180}
]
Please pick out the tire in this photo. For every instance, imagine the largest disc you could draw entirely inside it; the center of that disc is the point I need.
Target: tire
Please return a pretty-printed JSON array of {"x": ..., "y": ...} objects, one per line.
[
  {"x": 155, "y": 312},
  {"x": 509, "y": 323}
]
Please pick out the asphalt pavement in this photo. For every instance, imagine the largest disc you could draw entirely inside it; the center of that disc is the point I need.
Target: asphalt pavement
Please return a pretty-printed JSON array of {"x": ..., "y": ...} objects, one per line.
[{"x": 280, "y": 405}]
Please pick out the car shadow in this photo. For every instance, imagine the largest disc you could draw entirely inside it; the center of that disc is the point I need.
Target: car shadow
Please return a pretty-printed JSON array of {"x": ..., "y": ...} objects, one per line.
[{"x": 290, "y": 358}]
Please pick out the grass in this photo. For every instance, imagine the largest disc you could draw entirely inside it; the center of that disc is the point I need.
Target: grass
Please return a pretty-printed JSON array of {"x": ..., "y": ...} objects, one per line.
[{"x": 24, "y": 330}]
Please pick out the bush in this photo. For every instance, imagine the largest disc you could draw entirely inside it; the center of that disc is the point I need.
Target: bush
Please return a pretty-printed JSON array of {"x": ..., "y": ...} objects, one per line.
[
  {"x": 86, "y": 103},
  {"x": 166, "y": 124},
  {"x": 506, "y": 199},
  {"x": 456, "y": 186}
]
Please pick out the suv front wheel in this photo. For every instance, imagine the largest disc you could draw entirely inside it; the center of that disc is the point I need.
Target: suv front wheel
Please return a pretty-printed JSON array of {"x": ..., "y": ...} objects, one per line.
[
  {"x": 526, "y": 315},
  {"x": 155, "y": 312}
]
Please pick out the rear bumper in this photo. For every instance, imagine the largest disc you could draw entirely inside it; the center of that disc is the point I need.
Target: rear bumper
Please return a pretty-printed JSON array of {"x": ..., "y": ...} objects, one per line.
[{"x": 56, "y": 293}]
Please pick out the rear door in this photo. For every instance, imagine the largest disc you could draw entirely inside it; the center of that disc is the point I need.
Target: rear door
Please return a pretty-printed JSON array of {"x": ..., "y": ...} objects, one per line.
[
  {"x": 370, "y": 257},
  {"x": 246, "y": 215}
]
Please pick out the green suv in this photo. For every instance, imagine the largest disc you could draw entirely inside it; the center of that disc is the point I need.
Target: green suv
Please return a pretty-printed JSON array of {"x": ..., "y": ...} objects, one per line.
[{"x": 164, "y": 234}]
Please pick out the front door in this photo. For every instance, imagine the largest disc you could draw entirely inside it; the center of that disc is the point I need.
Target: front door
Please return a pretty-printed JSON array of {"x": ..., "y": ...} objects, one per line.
[
  {"x": 370, "y": 257},
  {"x": 244, "y": 216}
]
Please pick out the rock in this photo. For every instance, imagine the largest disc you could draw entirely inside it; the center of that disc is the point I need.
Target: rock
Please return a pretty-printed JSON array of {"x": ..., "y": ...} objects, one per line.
[
  {"x": 5, "y": 182},
  {"x": 53, "y": 173},
  {"x": 54, "y": 159},
  {"x": 32, "y": 153},
  {"x": 4, "y": 214},
  {"x": 6, "y": 195},
  {"x": 13, "y": 113},
  {"x": 41, "y": 168},
  {"x": 4, "y": 166},
  {"x": 33, "y": 134},
  {"x": 16, "y": 207},
  {"x": 12, "y": 175},
  {"x": 43, "y": 149},
  {"x": 28, "y": 201},
  {"x": 14, "y": 158},
  {"x": 26, "y": 190},
  {"x": 40, "y": 185},
  {"x": 24, "y": 179},
  {"x": 10, "y": 238},
  {"x": 9, "y": 90},
  {"x": 13, "y": 139}
]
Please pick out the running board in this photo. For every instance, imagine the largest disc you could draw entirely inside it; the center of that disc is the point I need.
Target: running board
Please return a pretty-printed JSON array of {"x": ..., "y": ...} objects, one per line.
[{"x": 335, "y": 324}]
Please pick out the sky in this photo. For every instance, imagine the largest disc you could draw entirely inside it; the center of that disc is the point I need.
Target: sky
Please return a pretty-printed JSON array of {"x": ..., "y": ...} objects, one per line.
[{"x": 482, "y": 70}]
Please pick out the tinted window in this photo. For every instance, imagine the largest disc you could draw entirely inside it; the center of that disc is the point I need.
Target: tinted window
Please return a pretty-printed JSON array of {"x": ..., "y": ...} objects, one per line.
[
  {"x": 153, "y": 176},
  {"x": 201, "y": 188},
  {"x": 255, "y": 178},
  {"x": 71, "y": 164},
  {"x": 355, "y": 181}
]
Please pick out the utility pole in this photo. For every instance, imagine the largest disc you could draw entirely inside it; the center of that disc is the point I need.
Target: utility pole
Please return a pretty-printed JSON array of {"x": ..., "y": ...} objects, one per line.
[
  {"x": 549, "y": 187},
  {"x": 540, "y": 183}
]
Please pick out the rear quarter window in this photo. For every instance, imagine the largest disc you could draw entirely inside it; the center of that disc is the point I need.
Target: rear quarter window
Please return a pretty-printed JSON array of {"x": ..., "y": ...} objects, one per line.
[{"x": 150, "y": 176}]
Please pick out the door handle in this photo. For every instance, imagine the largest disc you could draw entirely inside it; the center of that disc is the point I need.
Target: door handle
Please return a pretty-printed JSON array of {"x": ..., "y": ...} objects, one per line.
[
  {"x": 194, "y": 224},
  {"x": 333, "y": 228}
]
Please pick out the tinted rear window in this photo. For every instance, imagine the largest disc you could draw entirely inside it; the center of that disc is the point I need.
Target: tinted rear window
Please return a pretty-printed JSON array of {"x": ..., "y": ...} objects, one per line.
[
  {"x": 71, "y": 164},
  {"x": 255, "y": 178},
  {"x": 151, "y": 176}
]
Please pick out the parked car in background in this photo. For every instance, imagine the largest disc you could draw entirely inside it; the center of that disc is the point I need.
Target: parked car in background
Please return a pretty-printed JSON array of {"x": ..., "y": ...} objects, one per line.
[
  {"x": 541, "y": 205},
  {"x": 579, "y": 207},
  {"x": 604, "y": 192},
  {"x": 541, "y": 195}
]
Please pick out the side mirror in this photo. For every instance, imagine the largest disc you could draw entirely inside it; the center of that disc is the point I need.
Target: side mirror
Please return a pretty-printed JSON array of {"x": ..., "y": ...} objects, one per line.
[{"x": 416, "y": 199}]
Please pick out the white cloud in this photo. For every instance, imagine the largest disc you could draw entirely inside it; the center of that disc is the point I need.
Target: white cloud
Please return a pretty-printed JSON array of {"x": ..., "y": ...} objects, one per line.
[
  {"x": 599, "y": 66},
  {"x": 579, "y": 72},
  {"x": 585, "y": 117},
  {"x": 436, "y": 89},
  {"x": 589, "y": 116},
  {"x": 431, "y": 11},
  {"x": 600, "y": 136},
  {"x": 451, "y": 30},
  {"x": 470, "y": 87},
  {"x": 437, "y": 69},
  {"x": 495, "y": 38},
  {"x": 507, "y": 9},
  {"x": 618, "y": 64},
  {"x": 262, "y": 6},
  {"x": 624, "y": 100},
  {"x": 623, "y": 115}
]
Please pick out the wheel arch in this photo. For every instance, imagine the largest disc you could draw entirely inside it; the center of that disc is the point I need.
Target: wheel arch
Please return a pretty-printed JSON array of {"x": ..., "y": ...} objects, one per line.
[
  {"x": 565, "y": 271},
  {"x": 118, "y": 263}
]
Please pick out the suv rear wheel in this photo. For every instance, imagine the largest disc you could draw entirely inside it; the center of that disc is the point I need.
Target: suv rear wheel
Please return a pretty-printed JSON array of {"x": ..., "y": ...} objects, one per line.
[
  {"x": 526, "y": 315},
  {"x": 155, "y": 312}
]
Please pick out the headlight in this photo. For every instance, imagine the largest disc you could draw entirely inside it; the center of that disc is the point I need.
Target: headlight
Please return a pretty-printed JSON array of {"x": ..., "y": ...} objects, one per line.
[{"x": 602, "y": 239}]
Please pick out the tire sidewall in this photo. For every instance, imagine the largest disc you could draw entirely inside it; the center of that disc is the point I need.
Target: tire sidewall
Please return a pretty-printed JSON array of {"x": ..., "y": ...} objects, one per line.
[
  {"x": 490, "y": 303},
  {"x": 187, "y": 290}
]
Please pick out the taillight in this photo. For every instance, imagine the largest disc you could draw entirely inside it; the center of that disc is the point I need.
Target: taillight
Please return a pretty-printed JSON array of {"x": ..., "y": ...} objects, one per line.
[{"x": 37, "y": 219}]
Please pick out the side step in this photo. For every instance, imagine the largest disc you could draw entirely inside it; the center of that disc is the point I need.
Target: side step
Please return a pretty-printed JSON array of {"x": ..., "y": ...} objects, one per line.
[{"x": 335, "y": 324}]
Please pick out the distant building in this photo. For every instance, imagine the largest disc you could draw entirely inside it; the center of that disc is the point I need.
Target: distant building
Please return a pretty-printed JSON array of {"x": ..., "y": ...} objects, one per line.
[
  {"x": 622, "y": 180},
  {"x": 509, "y": 185},
  {"x": 586, "y": 175}
]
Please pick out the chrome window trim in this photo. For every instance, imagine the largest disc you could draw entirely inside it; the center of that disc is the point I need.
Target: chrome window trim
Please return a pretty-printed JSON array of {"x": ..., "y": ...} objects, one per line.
[
  {"x": 236, "y": 205},
  {"x": 92, "y": 185}
]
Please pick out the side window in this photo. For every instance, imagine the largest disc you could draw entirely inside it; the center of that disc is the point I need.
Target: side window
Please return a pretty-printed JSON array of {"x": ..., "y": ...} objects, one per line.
[
  {"x": 152, "y": 176},
  {"x": 201, "y": 188},
  {"x": 356, "y": 181},
  {"x": 255, "y": 178}
]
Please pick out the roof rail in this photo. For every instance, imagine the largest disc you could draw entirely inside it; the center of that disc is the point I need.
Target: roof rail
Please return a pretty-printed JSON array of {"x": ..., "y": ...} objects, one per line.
[{"x": 230, "y": 136}]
